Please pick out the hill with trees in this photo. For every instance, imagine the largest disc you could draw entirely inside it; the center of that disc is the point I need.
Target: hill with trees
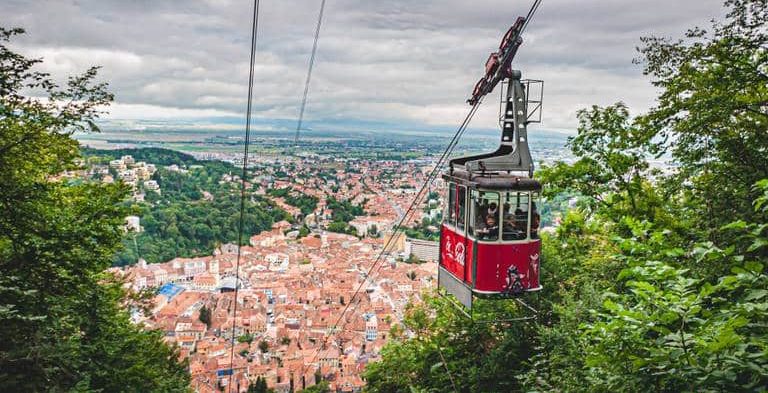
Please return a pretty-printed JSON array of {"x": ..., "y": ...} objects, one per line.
[
  {"x": 657, "y": 282},
  {"x": 182, "y": 221}
]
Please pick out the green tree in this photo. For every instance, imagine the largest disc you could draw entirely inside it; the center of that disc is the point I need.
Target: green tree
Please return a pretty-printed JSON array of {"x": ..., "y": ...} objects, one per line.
[
  {"x": 344, "y": 210},
  {"x": 678, "y": 329},
  {"x": 339, "y": 227},
  {"x": 205, "y": 316},
  {"x": 62, "y": 317},
  {"x": 711, "y": 115},
  {"x": 245, "y": 338},
  {"x": 264, "y": 347},
  {"x": 612, "y": 159},
  {"x": 259, "y": 386},
  {"x": 445, "y": 351},
  {"x": 320, "y": 387}
]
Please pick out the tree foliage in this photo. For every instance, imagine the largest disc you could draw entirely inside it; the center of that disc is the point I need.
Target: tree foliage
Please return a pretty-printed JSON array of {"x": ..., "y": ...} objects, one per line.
[
  {"x": 341, "y": 227},
  {"x": 321, "y": 387},
  {"x": 612, "y": 158},
  {"x": 259, "y": 386},
  {"x": 179, "y": 228},
  {"x": 445, "y": 351},
  {"x": 62, "y": 317},
  {"x": 205, "y": 316},
  {"x": 344, "y": 210},
  {"x": 713, "y": 109},
  {"x": 306, "y": 203}
]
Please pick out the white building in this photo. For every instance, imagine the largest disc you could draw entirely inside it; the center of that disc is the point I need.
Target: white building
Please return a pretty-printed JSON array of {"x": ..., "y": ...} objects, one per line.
[
  {"x": 117, "y": 165},
  {"x": 213, "y": 268},
  {"x": 151, "y": 185},
  {"x": 425, "y": 250},
  {"x": 128, "y": 160},
  {"x": 192, "y": 268},
  {"x": 278, "y": 262},
  {"x": 141, "y": 172},
  {"x": 128, "y": 176},
  {"x": 133, "y": 224},
  {"x": 371, "y": 328},
  {"x": 161, "y": 276}
]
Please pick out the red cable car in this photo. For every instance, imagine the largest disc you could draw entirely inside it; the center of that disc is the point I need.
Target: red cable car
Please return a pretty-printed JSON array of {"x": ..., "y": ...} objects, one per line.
[{"x": 489, "y": 243}]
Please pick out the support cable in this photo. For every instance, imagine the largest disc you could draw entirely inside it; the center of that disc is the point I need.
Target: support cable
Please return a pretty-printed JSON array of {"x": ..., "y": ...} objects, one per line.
[
  {"x": 534, "y": 7},
  {"x": 448, "y": 370},
  {"x": 241, "y": 223},
  {"x": 309, "y": 71}
]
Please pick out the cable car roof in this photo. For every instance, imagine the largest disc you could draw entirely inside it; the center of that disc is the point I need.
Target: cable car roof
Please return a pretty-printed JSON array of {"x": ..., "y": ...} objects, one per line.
[{"x": 493, "y": 180}]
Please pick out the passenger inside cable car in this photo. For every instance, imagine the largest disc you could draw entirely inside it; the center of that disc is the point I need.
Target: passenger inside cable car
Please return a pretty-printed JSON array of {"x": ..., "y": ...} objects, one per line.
[
  {"x": 485, "y": 215},
  {"x": 490, "y": 229},
  {"x": 535, "y": 221},
  {"x": 515, "y": 215},
  {"x": 488, "y": 216}
]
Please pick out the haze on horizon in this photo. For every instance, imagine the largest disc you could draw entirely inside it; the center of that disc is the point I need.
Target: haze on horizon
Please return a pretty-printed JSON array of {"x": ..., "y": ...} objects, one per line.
[{"x": 407, "y": 65}]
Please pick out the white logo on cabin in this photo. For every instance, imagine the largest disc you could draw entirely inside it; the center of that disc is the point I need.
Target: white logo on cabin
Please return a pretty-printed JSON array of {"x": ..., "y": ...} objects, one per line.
[
  {"x": 455, "y": 252},
  {"x": 459, "y": 253}
]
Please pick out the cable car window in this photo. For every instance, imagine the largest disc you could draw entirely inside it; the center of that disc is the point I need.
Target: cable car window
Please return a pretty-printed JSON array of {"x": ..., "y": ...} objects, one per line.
[
  {"x": 475, "y": 219},
  {"x": 462, "y": 213},
  {"x": 535, "y": 216},
  {"x": 515, "y": 225},
  {"x": 485, "y": 215},
  {"x": 450, "y": 208}
]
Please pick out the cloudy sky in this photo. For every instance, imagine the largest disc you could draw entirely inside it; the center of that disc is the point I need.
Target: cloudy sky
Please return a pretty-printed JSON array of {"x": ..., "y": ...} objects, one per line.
[{"x": 380, "y": 65}]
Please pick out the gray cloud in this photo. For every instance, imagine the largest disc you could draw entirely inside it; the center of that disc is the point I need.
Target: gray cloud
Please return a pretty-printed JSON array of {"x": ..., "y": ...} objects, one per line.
[{"x": 412, "y": 62}]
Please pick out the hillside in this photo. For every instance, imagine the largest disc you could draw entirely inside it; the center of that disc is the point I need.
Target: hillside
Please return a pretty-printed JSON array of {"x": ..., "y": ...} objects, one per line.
[{"x": 196, "y": 208}]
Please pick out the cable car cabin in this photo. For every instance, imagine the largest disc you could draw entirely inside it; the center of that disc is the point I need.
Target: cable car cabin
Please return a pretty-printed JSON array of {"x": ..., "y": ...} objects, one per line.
[{"x": 489, "y": 238}]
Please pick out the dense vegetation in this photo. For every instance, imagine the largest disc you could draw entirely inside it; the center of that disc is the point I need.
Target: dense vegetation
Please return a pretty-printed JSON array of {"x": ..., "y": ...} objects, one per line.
[
  {"x": 63, "y": 321},
  {"x": 342, "y": 212},
  {"x": 181, "y": 221},
  {"x": 658, "y": 281},
  {"x": 306, "y": 203},
  {"x": 185, "y": 228},
  {"x": 153, "y": 155}
]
